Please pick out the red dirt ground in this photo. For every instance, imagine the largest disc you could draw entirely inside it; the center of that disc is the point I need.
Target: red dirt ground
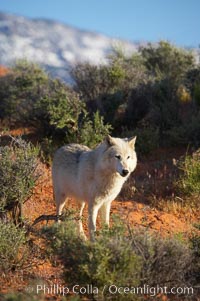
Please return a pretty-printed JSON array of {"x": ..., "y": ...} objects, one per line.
[
  {"x": 133, "y": 211},
  {"x": 3, "y": 70}
]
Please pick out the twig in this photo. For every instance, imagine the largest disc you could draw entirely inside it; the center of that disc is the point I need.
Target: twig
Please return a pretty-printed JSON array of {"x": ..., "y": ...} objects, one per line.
[{"x": 52, "y": 218}]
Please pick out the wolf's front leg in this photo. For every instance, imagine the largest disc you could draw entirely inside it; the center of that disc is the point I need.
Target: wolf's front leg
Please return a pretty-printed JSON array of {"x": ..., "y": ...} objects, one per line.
[
  {"x": 105, "y": 213},
  {"x": 92, "y": 218}
]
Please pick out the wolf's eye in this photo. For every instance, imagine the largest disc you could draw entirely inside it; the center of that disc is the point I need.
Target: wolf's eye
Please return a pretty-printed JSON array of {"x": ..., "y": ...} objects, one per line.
[
  {"x": 118, "y": 157},
  {"x": 128, "y": 157}
]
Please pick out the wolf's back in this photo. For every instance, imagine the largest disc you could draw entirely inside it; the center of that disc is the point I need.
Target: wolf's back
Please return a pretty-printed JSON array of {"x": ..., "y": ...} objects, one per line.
[
  {"x": 69, "y": 155},
  {"x": 67, "y": 159}
]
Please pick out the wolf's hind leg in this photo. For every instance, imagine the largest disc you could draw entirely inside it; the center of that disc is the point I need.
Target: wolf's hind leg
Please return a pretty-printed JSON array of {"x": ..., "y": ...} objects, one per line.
[
  {"x": 60, "y": 199},
  {"x": 81, "y": 231}
]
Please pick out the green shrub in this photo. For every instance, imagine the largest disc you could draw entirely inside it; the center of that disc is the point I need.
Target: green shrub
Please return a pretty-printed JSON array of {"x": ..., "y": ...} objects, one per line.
[
  {"x": 168, "y": 60},
  {"x": 164, "y": 106},
  {"x": 107, "y": 88},
  {"x": 90, "y": 132},
  {"x": 151, "y": 94},
  {"x": 90, "y": 82},
  {"x": 18, "y": 175},
  {"x": 13, "y": 249},
  {"x": 127, "y": 72},
  {"x": 138, "y": 104},
  {"x": 108, "y": 261},
  {"x": 197, "y": 93},
  {"x": 93, "y": 131},
  {"x": 29, "y": 96},
  {"x": 98, "y": 87},
  {"x": 48, "y": 148},
  {"x": 166, "y": 261},
  {"x": 195, "y": 247},
  {"x": 147, "y": 139},
  {"x": 121, "y": 256},
  {"x": 186, "y": 133},
  {"x": 20, "y": 89},
  {"x": 58, "y": 110},
  {"x": 189, "y": 182},
  {"x": 172, "y": 69}
]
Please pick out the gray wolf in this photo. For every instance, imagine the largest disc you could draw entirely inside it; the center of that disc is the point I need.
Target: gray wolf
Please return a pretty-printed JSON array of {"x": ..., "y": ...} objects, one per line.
[{"x": 93, "y": 176}]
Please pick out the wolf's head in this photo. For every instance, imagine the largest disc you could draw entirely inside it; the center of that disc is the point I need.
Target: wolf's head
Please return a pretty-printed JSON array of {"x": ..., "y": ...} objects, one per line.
[{"x": 120, "y": 155}]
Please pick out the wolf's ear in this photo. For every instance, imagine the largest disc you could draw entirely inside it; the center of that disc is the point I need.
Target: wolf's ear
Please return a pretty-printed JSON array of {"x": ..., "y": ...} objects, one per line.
[
  {"x": 109, "y": 141},
  {"x": 132, "y": 141}
]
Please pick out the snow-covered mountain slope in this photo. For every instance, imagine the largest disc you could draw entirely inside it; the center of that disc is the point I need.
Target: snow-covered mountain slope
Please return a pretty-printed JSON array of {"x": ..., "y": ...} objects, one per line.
[{"x": 54, "y": 45}]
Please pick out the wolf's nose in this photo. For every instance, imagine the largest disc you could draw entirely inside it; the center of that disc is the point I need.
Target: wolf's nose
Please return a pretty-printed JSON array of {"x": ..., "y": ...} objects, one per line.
[{"x": 125, "y": 172}]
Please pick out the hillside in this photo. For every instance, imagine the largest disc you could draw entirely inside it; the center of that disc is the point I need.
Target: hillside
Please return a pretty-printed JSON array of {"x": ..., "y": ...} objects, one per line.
[{"x": 54, "y": 45}]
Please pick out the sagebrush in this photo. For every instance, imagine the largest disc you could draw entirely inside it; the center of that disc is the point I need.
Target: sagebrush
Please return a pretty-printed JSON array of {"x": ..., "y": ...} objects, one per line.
[{"x": 18, "y": 176}]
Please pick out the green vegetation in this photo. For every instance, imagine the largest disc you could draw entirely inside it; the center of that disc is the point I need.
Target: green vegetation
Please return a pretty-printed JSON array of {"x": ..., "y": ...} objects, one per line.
[
  {"x": 189, "y": 182},
  {"x": 109, "y": 260},
  {"x": 157, "y": 88},
  {"x": 18, "y": 175},
  {"x": 13, "y": 248},
  {"x": 124, "y": 257},
  {"x": 29, "y": 96}
]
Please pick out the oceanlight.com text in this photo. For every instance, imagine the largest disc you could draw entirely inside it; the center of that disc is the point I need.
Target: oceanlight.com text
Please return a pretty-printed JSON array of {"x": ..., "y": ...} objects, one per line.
[
  {"x": 111, "y": 290},
  {"x": 149, "y": 290}
]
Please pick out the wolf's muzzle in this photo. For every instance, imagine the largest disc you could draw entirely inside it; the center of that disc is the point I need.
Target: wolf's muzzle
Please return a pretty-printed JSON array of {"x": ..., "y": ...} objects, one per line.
[{"x": 124, "y": 173}]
